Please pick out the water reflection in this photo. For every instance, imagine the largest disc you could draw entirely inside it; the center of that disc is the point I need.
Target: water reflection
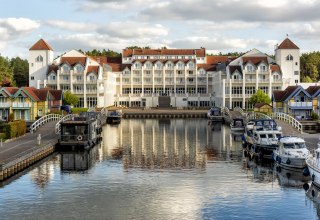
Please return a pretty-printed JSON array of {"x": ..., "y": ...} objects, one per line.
[
  {"x": 291, "y": 177},
  {"x": 169, "y": 144},
  {"x": 78, "y": 160},
  {"x": 261, "y": 172}
]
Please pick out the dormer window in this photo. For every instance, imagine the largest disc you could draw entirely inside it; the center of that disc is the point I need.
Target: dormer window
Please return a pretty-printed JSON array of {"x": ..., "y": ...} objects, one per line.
[
  {"x": 137, "y": 65},
  {"x": 39, "y": 58},
  {"x": 236, "y": 76},
  {"x": 79, "y": 68},
  {"x": 169, "y": 65},
  {"x": 250, "y": 68},
  {"x": 289, "y": 57},
  {"x": 180, "y": 65},
  {"x": 191, "y": 65},
  {"x": 263, "y": 68},
  {"x": 66, "y": 68},
  {"x": 148, "y": 65}
]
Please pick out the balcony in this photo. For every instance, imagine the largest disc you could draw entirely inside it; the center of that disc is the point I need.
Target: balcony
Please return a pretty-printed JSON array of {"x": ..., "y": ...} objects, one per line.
[
  {"x": 92, "y": 81},
  {"x": 78, "y": 91},
  {"x": 300, "y": 105},
  {"x": 21, "y": 105},
  {"x": 91, "y": 92},
  {"x": 64, "y": 81},
  {"x": 51, "y": 81},
  {"x": 5, "y": 105},
  {"x": 236, "y": 80}
]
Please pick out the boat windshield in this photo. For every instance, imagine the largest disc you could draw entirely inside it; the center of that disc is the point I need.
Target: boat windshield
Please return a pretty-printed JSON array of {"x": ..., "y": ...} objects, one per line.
[
  {"x": 263, "y": 136},
  {"x": 294, "y": 145},
  {"x": 270, "y": 135}
]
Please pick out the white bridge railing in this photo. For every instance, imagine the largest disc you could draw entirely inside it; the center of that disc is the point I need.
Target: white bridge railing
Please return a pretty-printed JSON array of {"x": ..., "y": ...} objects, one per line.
[
  {"x": 43, "y": 120},
  {"x": 65, "y": 118},
  {"x": 288, "y": 119}
]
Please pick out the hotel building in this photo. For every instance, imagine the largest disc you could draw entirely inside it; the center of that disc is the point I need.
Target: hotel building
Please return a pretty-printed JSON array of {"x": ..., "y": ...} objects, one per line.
[{"x": 164, "y": 77}]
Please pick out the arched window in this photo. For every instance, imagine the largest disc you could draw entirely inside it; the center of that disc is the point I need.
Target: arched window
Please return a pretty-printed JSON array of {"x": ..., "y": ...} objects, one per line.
[
  {"x": 191, "y": 65},
  {"x": 79, "y": 68},
  {"x": 66, "y": 68},
  {"x": 289, "y": 57},
  {"x": 39, "y": 58}
]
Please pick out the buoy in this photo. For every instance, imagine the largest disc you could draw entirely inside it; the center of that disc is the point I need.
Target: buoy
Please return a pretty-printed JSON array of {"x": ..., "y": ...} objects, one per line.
[
  {"x": 306, "y": 171},
  {"x": 313, "y": 177},
  {"x": 288, "y": 161}
]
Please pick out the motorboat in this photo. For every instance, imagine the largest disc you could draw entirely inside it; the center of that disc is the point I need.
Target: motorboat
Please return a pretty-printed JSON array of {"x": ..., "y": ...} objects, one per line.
[
  {"x": 260, "y": 138},
  {"x": 237, "y": 125},
  {"x": 215, "y": 114},
  {"x": 292, "y": 152},
  {"x": 114, "y": 117},
  {"x": 313, "y": 164}
]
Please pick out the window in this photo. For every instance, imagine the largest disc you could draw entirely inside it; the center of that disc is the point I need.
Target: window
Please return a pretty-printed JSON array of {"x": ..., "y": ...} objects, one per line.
[
  {"x": 66, "y": 68},
  {"x": 148, "y": 72},
  {"x": 296, "y": 63},
  {"x": 126, "y": 72},
  {"x": 250, "y": 68},
  {"x": 32, "y": 77},
  {"x": 65, "y": 78},
  {"x": 236, "y": 76},
  {"x": 191, "y": 65},
  {"x": 296, "y": 81},
  {"x": 79, "y": 68},
  {"x": 79, "y": 78},
  {"x": 52, "y": 77},
  {"x": 169, "y": 65},
  {"x": 148, "y": 65},
  {"x": 137, "y": 65},
  {"x": 126, "y": 90},
  {"x": 159, "y": 65},
  {"x": 39, "y": 58},
  {"x": 263, "y": 68},
  {"x": 180, "y": 65},
  {"x": 91, "y": 101},
  {"x": 296, "y": 72},
  {"x": 202, "y": 72},
  {"x": 289, "y": 57}
]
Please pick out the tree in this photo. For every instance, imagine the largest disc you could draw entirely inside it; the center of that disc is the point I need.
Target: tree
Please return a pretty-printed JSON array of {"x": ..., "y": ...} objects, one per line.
[
  {"x": 6, "y": 73},
  {"x": 70, "y": 99},
  {"x": 307, "y": 79},
  {"x": 259, "y": 97},
  {"x": 20, "y": 71}
]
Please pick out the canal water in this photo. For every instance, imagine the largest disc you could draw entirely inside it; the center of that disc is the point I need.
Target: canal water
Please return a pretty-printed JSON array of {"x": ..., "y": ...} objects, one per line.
[{"x": 158, "y": 169}]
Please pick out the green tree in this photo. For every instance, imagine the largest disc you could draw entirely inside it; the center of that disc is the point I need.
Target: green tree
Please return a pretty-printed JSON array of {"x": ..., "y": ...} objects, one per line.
[
  {"x": 6, "y": 72},
  {"x": 307, "y": 79},
  {"x": 20, "y": 71},
  {"x": 70, "y": 99},
  {"x": 259, "y": 97}
]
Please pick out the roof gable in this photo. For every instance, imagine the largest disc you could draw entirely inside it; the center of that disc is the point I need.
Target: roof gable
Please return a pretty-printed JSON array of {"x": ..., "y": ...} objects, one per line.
[
  {"x": 41, "y": 45},
  {"x": 287, "y": 44},
  {"x": 313, "y": 90}
]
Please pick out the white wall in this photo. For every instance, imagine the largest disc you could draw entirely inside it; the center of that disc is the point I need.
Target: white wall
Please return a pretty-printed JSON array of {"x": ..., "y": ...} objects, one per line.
[
  {"x": 38, "y": 70},
  {"x": 288, "y": 67}
]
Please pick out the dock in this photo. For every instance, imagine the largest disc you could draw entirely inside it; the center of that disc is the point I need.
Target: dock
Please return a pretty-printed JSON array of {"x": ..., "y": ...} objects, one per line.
[
  {"x": 163, "y": 113},
  {"x": 20, "y": 153}
]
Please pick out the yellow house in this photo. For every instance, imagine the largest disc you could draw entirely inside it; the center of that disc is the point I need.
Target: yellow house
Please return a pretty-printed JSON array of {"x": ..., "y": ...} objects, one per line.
[
  {"x": 263, "y": 107},
  {"x": 294, "y": 100},
  {"x": 6, "y": 94},
  {"x": 30, "y": 104}
]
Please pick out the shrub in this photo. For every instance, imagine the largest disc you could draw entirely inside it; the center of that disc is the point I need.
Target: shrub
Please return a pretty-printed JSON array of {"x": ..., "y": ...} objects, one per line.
[
  {"x": 11, "y": 117},
  {"x": 2, "y": 136},
  {"x": 78, "y": 110},
  {"x": 314, "y": 116},
  {"x": 15, "y": 129}
]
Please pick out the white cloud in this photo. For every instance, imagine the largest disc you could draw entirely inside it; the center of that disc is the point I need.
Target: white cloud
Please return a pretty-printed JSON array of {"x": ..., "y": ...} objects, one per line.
[
  {"x": 13, "y": 28},
  {"x": 72, "y": 26}
]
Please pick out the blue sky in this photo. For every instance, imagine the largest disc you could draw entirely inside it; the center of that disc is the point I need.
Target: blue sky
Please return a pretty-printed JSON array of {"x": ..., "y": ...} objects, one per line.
[{"x": 217, "y": 25}]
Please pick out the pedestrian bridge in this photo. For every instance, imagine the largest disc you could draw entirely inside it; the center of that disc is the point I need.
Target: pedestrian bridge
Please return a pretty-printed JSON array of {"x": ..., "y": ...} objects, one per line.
[{"x": 278, "y": 116}]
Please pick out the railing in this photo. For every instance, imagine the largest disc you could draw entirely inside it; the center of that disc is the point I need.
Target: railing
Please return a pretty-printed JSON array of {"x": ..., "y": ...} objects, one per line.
[
  {"x": 65, "y": 118},
  {"x": 238, "y": 109},
  {"x": 300, "y": 104},
  {"x": 21, "y": 104},
  {"x": 4, "y": 105},
  {"x": 43, "y": 120},
  {"x": 288, "y": 119}
]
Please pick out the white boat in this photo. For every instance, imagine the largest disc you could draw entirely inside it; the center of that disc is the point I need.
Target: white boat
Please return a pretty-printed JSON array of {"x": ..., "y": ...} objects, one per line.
[
  {"x": 215, "y": 114},
  {"x": 261, "y": 138},
  {"x": 292, "y": 152},
  {"x": 237, "y": 125},
  {"x": 313, "y": 164}
]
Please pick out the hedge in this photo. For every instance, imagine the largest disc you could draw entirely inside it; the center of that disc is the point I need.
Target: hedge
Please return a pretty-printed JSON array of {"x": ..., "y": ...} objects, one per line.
[
  {"x": 15, "y": 129},
  {"x": 78, "y": 110}
]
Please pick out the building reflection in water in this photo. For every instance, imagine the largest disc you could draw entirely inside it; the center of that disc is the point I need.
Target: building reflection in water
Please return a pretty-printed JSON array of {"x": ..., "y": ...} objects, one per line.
[
  {"x": 169, "y": 144},
  {"x": 313, "y": 193},
  {"x": 79, "y": 160}
]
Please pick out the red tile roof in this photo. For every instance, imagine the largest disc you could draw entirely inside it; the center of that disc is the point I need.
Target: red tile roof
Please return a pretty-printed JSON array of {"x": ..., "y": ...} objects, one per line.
[
  {"x": 275, "y": 68},
  {"x": 218, "y": 59},
  {"x": 255, "y": 60},
  {"x": 287, "y": 44},
  {"x": 42, "y": 94},
  {"x": 313, "y": 90},
  {"x": 53, "y": 68},
  {"x": 280, "y": 96},
  {"x": 127, "y": 52},
  {"x": 11, "y": 90},
  {"x": 207, "y": 67},
  {"x": 201, "y": 52},
  {"x": 56, "y": 94},
  {"x": 73, "y": 60},
  {"x": 31, "y": 92},
  {"x": 94, "y": 69},
  {"x": 41, "y": 45}
]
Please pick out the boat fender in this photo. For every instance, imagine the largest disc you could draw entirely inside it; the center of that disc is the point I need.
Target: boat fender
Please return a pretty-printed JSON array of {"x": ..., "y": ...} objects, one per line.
[
  {"x": 313, "y": 177},
  {"x": 79, "y": 138},
  {"x": 279, "y": 160},
  {"x": 306, "y": 186},
  {"x": 288, "y": 161},
  {"x": 306, "y": 171},
  {"x": 313, "y": 193}
]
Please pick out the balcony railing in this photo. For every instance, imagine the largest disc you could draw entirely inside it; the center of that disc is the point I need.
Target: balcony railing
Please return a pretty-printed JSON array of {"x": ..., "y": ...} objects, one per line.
[
  {"x": 51, "y": 81},
  {"x": 300, "y": 104},
  {"x": 91, "y": 91},
  {"x": 4, "y": 105},
  {"x": 21, "y": 105},
  {"x": 92, "y": 81}
]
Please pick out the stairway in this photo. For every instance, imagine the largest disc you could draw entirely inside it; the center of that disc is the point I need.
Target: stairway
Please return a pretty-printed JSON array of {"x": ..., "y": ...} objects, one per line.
[{"x": 164, "y": 102}]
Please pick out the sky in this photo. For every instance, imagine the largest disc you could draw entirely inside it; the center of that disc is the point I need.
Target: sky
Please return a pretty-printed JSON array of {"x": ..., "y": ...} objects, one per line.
[{"x": 218, "y": 25}]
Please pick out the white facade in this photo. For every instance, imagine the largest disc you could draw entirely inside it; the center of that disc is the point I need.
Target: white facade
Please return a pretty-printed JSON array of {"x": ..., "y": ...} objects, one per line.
[
  {"x": 38, "y": 66},
  {"x": 165, "y": 77}
]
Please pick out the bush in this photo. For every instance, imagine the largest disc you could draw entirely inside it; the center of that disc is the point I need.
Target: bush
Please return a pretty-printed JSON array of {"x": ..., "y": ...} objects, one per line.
[
  {"x": 2, "y": 136},
  {"x": 314, "y": 116},
  {"x": 78, "y": 110},
  {"x": 15, "y": 129}
]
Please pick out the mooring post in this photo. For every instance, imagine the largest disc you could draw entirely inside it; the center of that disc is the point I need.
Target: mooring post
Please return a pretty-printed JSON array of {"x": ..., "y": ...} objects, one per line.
[{"x": 39, "y": 139}]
